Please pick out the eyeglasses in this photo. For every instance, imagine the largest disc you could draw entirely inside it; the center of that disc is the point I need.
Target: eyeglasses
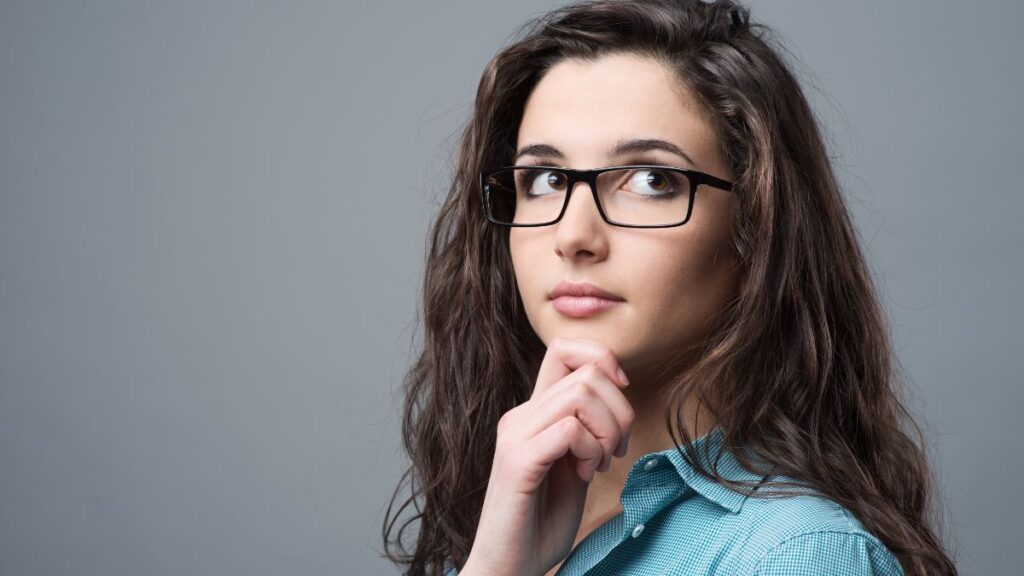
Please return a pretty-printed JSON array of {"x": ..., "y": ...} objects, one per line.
[{"x": 635, "y": 196}]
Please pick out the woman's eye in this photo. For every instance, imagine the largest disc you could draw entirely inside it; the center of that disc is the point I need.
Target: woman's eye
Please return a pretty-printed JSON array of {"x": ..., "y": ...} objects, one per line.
[
  {"x": 541, "y": 182},
  {"x": 653, "y": 183}
]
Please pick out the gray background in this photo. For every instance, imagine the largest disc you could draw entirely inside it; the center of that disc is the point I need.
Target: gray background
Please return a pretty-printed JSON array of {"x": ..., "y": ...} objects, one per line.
[{"x": 212, "y": 224}]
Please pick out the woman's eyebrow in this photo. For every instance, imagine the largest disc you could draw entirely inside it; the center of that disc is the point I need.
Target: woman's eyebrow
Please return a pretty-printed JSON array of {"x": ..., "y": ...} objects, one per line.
[{"x": 623, "y": 147}]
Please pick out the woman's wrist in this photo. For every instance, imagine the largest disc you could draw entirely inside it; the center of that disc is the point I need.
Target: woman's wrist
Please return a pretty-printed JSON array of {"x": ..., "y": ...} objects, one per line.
[{"x": 474, "y": 567}]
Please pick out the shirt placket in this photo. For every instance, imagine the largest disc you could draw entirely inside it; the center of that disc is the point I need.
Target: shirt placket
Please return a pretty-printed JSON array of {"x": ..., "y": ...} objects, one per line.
[{"x": 651, "y": 485}]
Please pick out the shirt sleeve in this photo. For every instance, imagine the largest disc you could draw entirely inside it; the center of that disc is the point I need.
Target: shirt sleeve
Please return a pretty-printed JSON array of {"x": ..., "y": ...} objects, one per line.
[{"x": 826, "y": 552}]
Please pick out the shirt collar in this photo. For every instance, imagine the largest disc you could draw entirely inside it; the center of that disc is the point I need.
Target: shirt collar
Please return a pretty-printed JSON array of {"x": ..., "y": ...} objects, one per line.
[{"x": 728, "y": 467}]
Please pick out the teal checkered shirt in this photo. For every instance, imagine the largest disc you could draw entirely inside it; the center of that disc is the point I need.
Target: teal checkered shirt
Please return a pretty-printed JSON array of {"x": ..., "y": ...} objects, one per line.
[{"x": 675, "y": 521}]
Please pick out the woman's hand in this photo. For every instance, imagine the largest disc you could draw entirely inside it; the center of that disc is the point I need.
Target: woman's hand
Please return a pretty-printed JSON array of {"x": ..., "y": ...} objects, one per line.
[{"x": 547, "y": 452}]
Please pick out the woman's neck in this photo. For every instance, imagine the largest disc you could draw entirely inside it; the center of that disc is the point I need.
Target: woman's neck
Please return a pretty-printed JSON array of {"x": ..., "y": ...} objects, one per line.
[{"x": 649, "y": 400}]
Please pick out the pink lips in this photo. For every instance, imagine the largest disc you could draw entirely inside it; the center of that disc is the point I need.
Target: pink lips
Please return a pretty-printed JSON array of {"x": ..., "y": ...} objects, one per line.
[{"x": 579, "y": 300}]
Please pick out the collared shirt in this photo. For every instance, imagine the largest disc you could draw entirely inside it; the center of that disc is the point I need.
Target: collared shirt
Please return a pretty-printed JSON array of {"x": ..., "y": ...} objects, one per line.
[{"x": 676, "y": 522}]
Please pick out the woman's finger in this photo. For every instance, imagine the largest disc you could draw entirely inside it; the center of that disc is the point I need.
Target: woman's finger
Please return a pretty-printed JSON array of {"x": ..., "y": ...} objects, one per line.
[
  {"x": 610, "y": 393},
  {"x": 579, "y": 399},
  {"x": 564, "y": 355},
  {"x": 569, "y": 436}
]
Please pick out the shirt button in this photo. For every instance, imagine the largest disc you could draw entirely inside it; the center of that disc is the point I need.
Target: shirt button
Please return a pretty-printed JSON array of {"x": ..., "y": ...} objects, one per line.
[
  {"x": 636, "y": 531},
  {"x": 651, "y": 463}
]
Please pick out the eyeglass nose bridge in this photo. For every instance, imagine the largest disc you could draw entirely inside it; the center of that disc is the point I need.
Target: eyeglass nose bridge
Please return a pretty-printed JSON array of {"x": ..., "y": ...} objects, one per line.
[{"x": 574, "y": 177}]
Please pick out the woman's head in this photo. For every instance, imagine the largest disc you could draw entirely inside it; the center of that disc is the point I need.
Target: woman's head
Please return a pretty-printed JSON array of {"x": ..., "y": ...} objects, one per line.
[
  {"x": 673, "y": 280},
  {"x": 763, "y": 296},
  {"x": 694, "y": 74}
]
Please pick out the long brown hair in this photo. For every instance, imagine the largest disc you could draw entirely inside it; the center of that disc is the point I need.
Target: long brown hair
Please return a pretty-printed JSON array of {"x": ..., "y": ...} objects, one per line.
[{"x": 799, "y": 366}]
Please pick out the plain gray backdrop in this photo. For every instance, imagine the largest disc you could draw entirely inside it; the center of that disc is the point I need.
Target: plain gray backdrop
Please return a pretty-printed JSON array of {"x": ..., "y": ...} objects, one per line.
[{"x": 212, "y": 230}]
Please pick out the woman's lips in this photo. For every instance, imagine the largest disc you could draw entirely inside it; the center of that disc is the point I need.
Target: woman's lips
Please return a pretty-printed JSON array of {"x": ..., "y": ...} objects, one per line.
[{"x": 581, "y": 306}]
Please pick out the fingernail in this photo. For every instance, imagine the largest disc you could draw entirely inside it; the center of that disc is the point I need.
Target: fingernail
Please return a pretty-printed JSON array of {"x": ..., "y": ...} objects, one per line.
[{"x": 622, "y": 377}]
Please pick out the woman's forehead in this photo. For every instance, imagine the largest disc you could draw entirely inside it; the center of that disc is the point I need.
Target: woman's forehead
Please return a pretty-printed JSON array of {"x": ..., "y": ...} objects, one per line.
[{"x": 585, "y": 107}]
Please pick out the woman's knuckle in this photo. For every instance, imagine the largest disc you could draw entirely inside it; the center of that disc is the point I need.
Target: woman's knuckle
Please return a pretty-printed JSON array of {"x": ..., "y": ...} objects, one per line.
[
  {"x": 581, "y": 389},
  {"x": 507, "y": 420},
  {"x": 571, "y": 426},
  {"x": 630, "y": 415}
]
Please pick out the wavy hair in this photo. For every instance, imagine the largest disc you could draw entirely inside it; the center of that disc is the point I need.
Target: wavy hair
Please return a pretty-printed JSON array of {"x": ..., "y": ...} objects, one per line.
[{"x": 799, "y": 366}]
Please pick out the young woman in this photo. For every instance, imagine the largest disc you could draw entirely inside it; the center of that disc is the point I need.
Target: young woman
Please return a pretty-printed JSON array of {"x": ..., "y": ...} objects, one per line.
[{"x": 645, "y": 240}]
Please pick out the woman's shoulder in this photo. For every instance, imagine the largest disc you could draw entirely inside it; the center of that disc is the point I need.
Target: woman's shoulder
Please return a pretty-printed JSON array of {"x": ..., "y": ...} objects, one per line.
[{"x": 807, "y": 533}]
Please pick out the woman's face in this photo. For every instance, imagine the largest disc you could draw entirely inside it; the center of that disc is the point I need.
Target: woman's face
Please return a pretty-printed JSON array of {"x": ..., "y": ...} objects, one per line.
[{"x": 673, "y": 280}]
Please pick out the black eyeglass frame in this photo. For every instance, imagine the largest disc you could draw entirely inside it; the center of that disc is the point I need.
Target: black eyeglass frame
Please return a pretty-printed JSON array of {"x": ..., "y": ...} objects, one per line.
[{"x": 696, "y": 178}]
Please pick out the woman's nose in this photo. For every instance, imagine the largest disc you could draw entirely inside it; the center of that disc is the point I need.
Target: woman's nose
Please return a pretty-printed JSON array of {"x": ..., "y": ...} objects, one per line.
[
  {"x": 581, "y": 228},
  {"x": 581, "y": 204}
]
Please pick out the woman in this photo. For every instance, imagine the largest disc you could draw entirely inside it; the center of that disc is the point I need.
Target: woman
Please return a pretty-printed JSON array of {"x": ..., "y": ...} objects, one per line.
[{"x": 670, "y": 257}]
